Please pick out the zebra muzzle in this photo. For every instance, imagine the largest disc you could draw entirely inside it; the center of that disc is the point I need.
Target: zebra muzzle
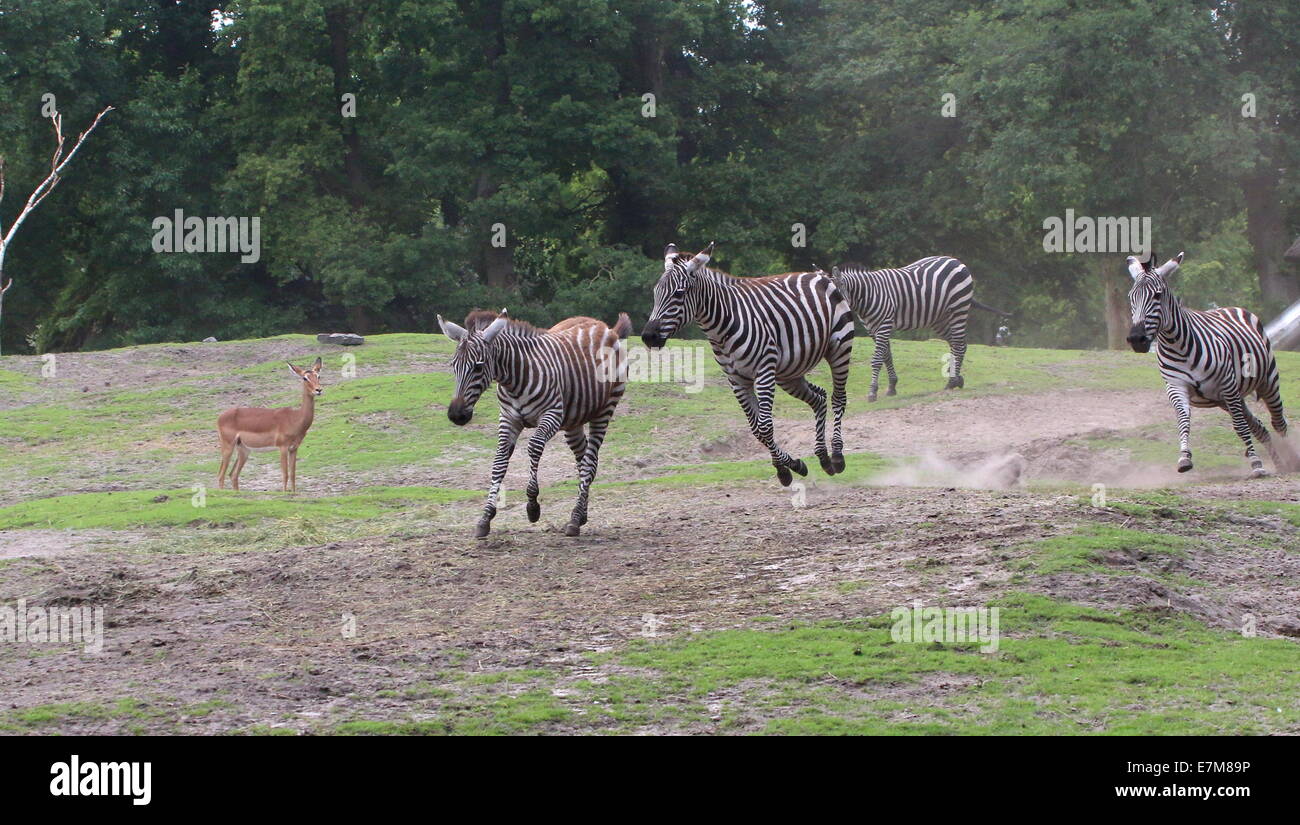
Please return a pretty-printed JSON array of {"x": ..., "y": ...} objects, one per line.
[
  {"x": 1139, "y": 340},
  {"x": 652, "y": 336},
  {"x": 459, "y": 412}
]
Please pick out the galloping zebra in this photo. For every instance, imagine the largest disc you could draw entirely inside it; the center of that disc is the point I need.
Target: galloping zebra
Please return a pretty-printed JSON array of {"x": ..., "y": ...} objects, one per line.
[
  {"x": 557, "y": 379},
  {"x": 933, "y": 292},
  {"x": 764, "y": 332},
  {"x": 1208, "y": 359}
]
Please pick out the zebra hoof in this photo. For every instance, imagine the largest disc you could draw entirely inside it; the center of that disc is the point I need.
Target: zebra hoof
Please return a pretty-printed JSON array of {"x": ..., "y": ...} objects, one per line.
[
  {"x": 828, "y": 464},
  {"x": 799, "y": 467},
  {"x": 783, "y": 475},
  {"x": 838, "y": 460},
  {"x": 1184, "y": 464},
  {"x": 1258, "y": 472},
  {"x": 572, "y": 529},
  {"x": 534, "y": 511},
  {"x": 871, "y": 396},
  {"x": 891, "y": 391},
  {"x": 483, "y": 528},
  {"x": 956, "y": 383}
]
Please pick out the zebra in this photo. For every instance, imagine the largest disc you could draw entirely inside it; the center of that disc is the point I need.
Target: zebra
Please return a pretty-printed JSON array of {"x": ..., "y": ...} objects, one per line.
[
  {"x": 1215, "y": 358},
  {"x": 934, "y": 292},
  {"x": 562, "y": 378},
  {"x": 764, "y": 332}
]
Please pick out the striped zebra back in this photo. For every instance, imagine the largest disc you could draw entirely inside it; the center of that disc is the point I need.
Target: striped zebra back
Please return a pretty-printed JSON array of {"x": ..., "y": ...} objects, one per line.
[
  {"x": 578, "y": 363},
  {"x": 925, "y": 293}
]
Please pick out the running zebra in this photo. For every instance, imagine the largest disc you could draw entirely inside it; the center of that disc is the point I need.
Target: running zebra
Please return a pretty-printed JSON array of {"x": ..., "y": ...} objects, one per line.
[
  {"x": 1216, "y": 358},
  {"x": 764, "y": 332},
  {"x": 558, "y": 379},
  {"x": 934, "y": 292}
]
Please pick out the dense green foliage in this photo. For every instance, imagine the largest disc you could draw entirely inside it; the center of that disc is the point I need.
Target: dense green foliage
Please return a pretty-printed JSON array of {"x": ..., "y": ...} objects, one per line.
[{"x": 531, "y": 114}]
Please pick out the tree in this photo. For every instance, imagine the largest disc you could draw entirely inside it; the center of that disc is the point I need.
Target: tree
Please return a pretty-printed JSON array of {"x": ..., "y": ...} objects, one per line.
[{"x": 57, "y": 164}]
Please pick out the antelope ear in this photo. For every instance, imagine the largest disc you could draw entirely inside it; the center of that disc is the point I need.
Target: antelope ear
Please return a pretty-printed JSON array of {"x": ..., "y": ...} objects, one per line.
[
  {"x": 701, "y": 259},
  {"x": 297, "y": 372},
  {"x": 494, "y": 329},
  {"x": 1170, "y": 266},
  {"x": 670, "y": 255},
  {"x": 316, "y": 367},
  {"x": 1135, "y": 268},
  {"x": 453, "y": 331}
]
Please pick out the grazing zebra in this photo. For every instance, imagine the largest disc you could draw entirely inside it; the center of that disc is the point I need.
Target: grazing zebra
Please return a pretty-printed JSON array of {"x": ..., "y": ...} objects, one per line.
[
  {"x": 557, "y": 379},
  {"x": 764, "y": 332},
  {"x": 934, "y": 292},
  {"x": 1215, "y": 358}
]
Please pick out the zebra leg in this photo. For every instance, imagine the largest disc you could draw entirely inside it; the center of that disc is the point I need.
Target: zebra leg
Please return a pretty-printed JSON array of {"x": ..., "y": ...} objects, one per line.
[
  {"x": 764, "y": 387},
  {"x": 889, "y": 367},
  {"x": 879, "y": 357},
  {"x": 956, "y": 337},
  {"x": 507, "y": 434},
  {"x": 840, "y": 358},
  {"x": 815, "y": 397},
  {"x": 577, "y": 441},
  {"x": 1236, "y": 407},
  {"x": 587, "y": 471},
  {"x": 547, "y": 426},
  {"x": 1182, "y": 409}
]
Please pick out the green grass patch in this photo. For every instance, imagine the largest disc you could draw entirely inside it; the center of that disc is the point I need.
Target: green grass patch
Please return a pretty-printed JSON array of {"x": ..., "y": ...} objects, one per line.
[
  {"x": 173, "y": 508},
  {"x": 1060, "y": 668}
]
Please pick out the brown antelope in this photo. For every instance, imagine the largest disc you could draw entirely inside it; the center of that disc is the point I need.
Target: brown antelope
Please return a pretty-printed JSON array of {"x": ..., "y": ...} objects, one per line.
[{"x": 256, "y": 428}]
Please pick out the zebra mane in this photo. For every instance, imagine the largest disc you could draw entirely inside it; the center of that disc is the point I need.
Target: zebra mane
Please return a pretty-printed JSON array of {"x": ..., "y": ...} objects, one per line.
[{"x": 480, "y": 318}]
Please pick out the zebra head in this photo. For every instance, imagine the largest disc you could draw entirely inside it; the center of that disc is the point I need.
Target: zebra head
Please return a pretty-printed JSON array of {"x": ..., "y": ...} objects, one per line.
[
  {"x": 1149, "y": 298},
  {"x": 672, "y": 294},
  {"x": 472, "y": 363}
]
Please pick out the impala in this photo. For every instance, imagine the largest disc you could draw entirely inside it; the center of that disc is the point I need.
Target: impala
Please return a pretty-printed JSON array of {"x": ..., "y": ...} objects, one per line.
[{"x": 257, "y": 428}]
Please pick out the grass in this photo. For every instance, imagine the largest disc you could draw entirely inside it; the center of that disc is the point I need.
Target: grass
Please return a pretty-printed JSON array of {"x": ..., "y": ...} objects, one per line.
[
  {"x": 1059, "y": 668},
  {"x": 174, "y": 508},
  {"x": 1085, "y": 549}
]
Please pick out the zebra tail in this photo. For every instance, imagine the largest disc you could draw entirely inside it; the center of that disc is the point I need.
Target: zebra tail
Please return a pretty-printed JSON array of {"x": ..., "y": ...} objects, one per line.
[
  {"x": 623, "y": 327},
  {"x": 987, "y": 308}
]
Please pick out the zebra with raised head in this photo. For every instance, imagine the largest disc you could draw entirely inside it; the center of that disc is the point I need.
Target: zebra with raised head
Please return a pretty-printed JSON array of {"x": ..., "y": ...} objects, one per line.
[
  {"x": 568, "y": 378},
  {"x": 934, "y": 292},
  {"x": 1215, "y": 358},
  {"x": 764, "y": 332}
]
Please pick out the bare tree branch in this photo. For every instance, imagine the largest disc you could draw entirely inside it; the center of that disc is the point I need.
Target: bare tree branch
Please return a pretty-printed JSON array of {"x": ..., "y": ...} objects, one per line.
[{"x": 57, "y": 164}]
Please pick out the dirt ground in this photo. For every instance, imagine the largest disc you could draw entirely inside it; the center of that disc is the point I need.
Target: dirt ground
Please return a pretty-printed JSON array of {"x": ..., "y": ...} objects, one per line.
[{"x": 263, "y": 630}]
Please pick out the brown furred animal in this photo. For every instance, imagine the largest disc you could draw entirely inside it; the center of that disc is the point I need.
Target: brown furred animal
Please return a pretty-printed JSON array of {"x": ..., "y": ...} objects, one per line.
[{"x": 257, "y": 428}]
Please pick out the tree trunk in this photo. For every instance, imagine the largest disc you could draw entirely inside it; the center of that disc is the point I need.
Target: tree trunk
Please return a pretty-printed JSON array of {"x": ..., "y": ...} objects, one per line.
[
  {"x": 1266, "y": 229},
  {"x": 338, "y": 23},
  {"x": 497, "y": 263},
  {"x": 1118, "y": 315}
]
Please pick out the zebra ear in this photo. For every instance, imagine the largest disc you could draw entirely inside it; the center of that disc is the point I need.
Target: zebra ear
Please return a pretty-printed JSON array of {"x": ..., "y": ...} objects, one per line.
[
  {"x": 494, "y": 329},
  {"x": 505, "y": 313},
  {"x": 453, "y": 331},
  {"x": 702, "y": 258},
  {"x": 670, "y": 255},
  {"x": 1170, "y": 266},
  {"x": 835, "y": 272},
  {"x": 1135, "y": 268}
]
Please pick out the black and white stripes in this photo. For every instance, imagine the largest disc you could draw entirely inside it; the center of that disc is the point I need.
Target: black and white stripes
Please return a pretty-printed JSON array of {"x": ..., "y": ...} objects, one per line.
[
  {"x": 1208, "y": 359},
  {"x": 934, "y": 292},
  {"x": 566, "y": 378},
  {"x": 764, "y": 332}
]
